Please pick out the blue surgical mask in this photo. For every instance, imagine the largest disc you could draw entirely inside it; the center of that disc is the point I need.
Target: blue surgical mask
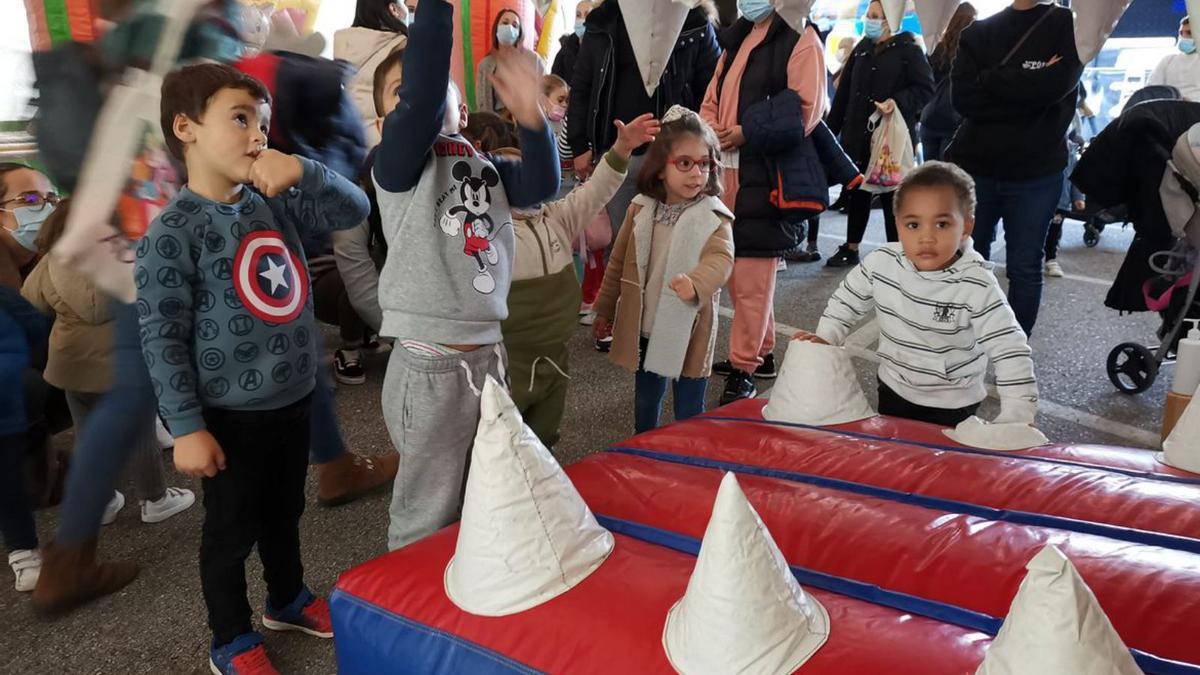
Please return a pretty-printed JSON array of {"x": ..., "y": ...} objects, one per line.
[
  {"x": 408, "y": 19},
  {"x": 507, "y": 35},
  {"x": 872, "y": 28},
  {"x": 1187, "y": 45},
  {"x": 29, "y": 223},
  {"x": 579, "y": 28},
  {"x": 754, "y": 10}
]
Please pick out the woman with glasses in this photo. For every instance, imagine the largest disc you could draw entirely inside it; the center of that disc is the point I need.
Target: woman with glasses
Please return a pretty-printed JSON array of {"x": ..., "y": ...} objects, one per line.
[{"x": 26, "y": 200}]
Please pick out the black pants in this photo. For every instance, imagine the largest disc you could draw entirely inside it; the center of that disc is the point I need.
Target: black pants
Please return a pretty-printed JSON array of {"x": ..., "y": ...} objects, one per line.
[
  {"x": 860, "y": 213},
  {"x": 1054, "y": 236},
  {"x": 814, "y": 229},
  {"x": 894, "y": 405},
  {"x": 16, "y": 512},
  {"x": 257, "y": 499},
  {"x": 331, "y": 304}
]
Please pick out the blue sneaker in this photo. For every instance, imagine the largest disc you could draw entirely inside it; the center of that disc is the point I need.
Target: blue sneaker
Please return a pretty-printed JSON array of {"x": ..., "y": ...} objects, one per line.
[
  {"x": 307, "y": 614},
  {"x": 246, "y": 655}
]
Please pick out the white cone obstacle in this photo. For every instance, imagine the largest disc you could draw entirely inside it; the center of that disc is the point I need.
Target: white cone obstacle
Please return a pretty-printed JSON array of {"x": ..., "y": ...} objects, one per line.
[
  {"x": 817, "y": 385},
  {"x": 1006, "y": 436},
  {"x": 526, "y": 535},
  {"x": 1182, "y": 447},
  {"x": 743, "y": 611},
  {"x": 1056, "y": 627}
]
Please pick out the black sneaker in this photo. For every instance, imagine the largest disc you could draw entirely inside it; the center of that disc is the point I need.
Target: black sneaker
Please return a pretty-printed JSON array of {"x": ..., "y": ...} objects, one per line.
[
  {"x": 845, "y": 257},
  {"x": 604, "y": 345},
  {"x": 802, "y": 254},
  {"x": 738, "y": 385},
  {"x": 766, "y": 371},
  {"x": 723, "y": 368},
  {"x": 347, "y": 367}
]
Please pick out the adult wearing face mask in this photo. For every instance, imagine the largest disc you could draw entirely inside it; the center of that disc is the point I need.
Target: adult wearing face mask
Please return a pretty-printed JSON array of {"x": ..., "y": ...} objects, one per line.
[
  {"x": 1181, "y": 70},
  {"x": 507, "y": 31},
  {"x": 380, "y": 27},
  {"x": 568, "y": 45},
  {"x": 885, "y": 73},
  {"x": 26, "y": 200}
]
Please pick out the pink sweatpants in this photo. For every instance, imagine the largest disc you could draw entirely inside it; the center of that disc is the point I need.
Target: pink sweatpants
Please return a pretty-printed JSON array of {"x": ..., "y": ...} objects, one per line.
[{"x": 752, "y": 290}]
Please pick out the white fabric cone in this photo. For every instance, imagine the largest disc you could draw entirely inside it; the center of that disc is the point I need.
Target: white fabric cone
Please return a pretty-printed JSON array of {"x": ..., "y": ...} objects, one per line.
[
  {"x": 817, "y": 385},
  {"x": 1193, "y": 8},
  {"x": 793, "y": 12},
  {"x": 1005, "y": 436},
  {"x": 1056, "y": 627},
  {"x": 526, "y": 535},
  {"x": 1182, "y": 447},
  {"x": 743, "y": 611},
  {"x": 653, "y": 27},
  {"x": 934, "y": 16},
  {"x": 1094, "y": 22},
  {"x": 893, "y": 11}
]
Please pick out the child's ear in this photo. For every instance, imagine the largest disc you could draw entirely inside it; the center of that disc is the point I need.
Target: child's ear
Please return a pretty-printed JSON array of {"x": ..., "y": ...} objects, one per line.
[
  {"x": 968, "y": 227},
  {"x": 462, "y": 116},
  {"x": 184, "y": 129}
]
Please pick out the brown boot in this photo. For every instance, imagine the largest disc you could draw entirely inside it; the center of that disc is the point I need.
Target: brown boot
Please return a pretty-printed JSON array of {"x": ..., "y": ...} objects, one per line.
[
  {"x": 352, "y": 476},
  {"x": 71, "y": 577}
]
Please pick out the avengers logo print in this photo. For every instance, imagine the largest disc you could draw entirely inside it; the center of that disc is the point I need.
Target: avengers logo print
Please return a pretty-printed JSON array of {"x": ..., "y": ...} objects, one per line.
[{"x": 269, "y": 278}]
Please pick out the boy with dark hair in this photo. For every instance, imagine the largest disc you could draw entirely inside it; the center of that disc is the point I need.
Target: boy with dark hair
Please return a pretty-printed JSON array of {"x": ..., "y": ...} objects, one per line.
[
  {"x": 443, "y": 291},
  {"x": 228, "y": 334}
]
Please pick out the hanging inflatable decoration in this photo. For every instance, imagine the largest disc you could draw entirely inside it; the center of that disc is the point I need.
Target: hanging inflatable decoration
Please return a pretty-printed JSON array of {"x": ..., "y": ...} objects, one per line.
[
  {"x": 934, "y": 16},
  {"x": 53, "y": 22},
  {"x": 653, "y": 27},
  {"x": 1095, "y": 20},
  {"x": 793, "y": 12},
  {"x": 893, "y": 11}
]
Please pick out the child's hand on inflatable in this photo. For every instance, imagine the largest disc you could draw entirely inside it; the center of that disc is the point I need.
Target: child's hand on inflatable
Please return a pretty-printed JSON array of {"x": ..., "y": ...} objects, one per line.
[
  {"x": 274, "y": 172},
  {"x": 683, "y": 287},
  {"x": 198, "y": 454},
  {"x": 601, "y": 328},
  {"x": 640, "y": 130},
  {"x": 805, "y": 336},
  {"x": 519, "y": 86}
]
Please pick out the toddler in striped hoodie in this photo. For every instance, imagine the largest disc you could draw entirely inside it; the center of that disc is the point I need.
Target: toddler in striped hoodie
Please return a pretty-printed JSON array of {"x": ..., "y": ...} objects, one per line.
[{"x": 942, "y": 315}]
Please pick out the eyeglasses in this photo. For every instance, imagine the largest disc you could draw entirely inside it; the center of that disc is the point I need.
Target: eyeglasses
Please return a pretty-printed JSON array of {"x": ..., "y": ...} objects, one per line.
[
  {"x": 37, "y": 200},
  {"x": 686, "y": 164}
]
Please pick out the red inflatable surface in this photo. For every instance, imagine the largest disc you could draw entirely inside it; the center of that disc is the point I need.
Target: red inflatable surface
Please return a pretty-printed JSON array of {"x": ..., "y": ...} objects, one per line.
[
  {"x": 613, "y": 621},
  {"x": 960, "y": 560}
]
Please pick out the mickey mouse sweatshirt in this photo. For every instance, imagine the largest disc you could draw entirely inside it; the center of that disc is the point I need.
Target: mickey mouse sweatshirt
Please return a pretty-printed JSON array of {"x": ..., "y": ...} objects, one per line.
[
  {"x": 444, "y": 206},
  {"x": 223, "y": 299}
]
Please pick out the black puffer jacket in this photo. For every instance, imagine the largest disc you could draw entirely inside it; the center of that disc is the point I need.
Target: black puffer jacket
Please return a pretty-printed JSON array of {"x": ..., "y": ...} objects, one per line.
[
  {"x": 605, "y": 52},
  {"x": 564, "y": 62},
  {"x": 897, "y": 70},
  {"x": 939, "y": 114}
]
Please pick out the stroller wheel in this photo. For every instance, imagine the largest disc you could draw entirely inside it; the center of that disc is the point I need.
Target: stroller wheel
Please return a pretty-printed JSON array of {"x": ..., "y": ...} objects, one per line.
[
  {"x": 1132, "y": 367},
  {"x": 1091, "y": 234}
]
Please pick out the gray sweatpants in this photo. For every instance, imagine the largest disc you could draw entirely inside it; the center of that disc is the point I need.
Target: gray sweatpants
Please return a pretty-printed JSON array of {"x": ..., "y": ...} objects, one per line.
[
  {"x": 431, "y": 408},
  {"x": 145, "y": 467}
]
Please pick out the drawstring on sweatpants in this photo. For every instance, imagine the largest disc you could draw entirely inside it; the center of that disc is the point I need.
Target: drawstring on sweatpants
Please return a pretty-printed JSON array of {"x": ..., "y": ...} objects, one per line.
[
  {"x": 500, "y": 370},
  {"x": 533, "y": 370}
]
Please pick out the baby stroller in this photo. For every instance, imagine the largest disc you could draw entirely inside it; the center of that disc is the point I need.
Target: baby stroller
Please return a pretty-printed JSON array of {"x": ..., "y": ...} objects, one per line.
[{"x": 1172, "y": 293}]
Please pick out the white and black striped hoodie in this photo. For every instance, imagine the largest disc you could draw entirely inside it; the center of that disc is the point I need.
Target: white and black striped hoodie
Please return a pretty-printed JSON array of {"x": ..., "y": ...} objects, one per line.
[{"x": 937, "y": 331}]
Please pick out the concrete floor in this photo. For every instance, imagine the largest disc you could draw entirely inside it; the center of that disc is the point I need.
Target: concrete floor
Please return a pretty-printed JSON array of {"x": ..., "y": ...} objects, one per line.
[{"x": 157, "y": 625}]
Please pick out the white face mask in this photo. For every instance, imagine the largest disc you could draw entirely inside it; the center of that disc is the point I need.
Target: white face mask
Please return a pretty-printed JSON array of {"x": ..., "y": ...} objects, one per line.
[
  {"x": 29, "y": 223},
  {"x": 507, "y": 34}
]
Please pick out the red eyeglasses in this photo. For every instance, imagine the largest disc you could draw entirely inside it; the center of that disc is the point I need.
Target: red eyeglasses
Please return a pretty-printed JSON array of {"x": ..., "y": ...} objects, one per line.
[{"x": 686, "y": 164}]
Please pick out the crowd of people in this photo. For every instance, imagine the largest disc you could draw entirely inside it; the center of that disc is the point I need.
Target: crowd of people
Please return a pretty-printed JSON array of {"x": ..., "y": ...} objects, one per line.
[{"x": 472, "y": 244}]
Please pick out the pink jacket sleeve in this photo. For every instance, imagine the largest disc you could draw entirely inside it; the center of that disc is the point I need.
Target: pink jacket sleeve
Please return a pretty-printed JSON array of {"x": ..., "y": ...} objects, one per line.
[{"x": 806, "y": 76}]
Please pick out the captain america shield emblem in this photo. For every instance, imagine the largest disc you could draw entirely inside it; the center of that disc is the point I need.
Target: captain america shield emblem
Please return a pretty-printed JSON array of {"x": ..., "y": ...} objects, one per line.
[{"x": 269, "y": 278}]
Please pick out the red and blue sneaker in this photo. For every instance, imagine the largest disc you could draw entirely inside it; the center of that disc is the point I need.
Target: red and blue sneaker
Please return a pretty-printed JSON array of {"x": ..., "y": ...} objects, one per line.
[
  {"x": 307, "y": 614},
  {"x": 244, "y": 656}
]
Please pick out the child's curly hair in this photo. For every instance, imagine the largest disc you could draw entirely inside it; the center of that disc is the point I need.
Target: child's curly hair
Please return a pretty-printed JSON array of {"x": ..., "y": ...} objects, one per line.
[{"x": 677, "y": 123}]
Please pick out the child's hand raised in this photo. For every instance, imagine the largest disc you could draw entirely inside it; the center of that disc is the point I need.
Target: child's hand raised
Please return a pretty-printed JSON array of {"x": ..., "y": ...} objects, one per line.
[
  {"x": 198, "y": 454},
  {"x": 805, "y": 336},
  {"x": 683, "y": 287},
  {"x": 519, "y": 86},
  {"x": 640, "y": 130},
  {"x": 274, "y": 172}
]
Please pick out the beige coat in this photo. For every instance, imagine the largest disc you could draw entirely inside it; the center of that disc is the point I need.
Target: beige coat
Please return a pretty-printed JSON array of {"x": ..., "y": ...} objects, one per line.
[
  {"x": 621, "y": 294},
  {"x": 81, "y": 340}
]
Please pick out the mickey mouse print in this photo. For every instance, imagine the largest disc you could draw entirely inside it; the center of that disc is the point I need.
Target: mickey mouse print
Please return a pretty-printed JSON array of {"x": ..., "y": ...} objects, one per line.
[{"x": 470, "y": 218}]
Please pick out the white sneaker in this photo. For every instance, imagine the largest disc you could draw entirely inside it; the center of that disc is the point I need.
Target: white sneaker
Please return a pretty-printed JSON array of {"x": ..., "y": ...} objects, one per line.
[
  {"x": 176, "y": 500},
  {"x": 114, "y": 507},
  {"x": 27, "y": 565},
  {"x": 1053, "y": 269},
  {"x": 781, "y": 265},
  {"x": 587, "y": 319},
  {"x": 164, "y": 438}
]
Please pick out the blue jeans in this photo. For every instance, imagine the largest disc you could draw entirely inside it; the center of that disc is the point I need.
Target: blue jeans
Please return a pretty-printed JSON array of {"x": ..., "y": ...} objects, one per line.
[
  {"x": 1026, "y": 207},
  {"x": 650, "y": 389},
  {"x": 326, "y": 443},
  {"x": 110, "y": 435}
]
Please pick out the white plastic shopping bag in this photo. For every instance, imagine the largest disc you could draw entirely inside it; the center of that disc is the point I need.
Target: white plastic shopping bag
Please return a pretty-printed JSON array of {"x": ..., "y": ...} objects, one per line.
[
  {"x": 127, "y": 176},
  {"x": 891, "y": 152}
]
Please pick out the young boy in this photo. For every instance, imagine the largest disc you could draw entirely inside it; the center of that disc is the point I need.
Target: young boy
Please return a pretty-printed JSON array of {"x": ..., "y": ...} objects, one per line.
[
  {"x": 227, "y": 331},
  {"x": 941, "y": 314},
  {"x": 443, "y": 291}
]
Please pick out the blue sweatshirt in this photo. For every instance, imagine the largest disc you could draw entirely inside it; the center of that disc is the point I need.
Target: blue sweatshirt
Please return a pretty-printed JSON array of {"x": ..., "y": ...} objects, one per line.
[
  {"x": 444, "y": 207},
  {"x": 223, "y": 296},
  {"x": 23, "y": 335}
]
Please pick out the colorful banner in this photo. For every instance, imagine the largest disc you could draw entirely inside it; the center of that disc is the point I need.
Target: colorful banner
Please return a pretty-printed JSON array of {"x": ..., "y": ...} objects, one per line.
[{"x": 53, "y": 22}]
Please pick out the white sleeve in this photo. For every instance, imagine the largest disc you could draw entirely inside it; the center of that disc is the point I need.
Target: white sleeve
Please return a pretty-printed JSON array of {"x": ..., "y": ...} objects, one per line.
[
  {"x": 359, "y": 275},
  {"x": 848, "y": 304},
  {"x": 1004, "y": 342}
]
